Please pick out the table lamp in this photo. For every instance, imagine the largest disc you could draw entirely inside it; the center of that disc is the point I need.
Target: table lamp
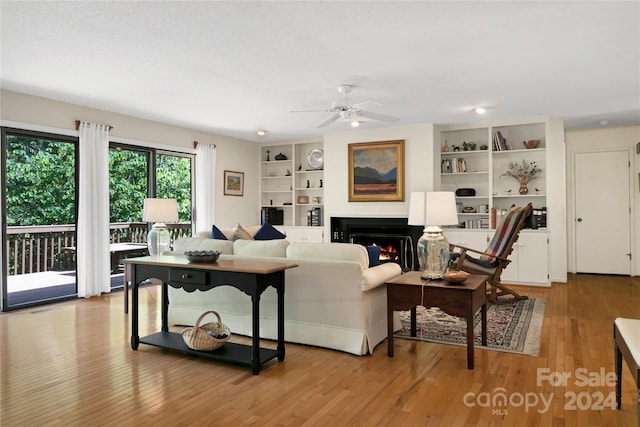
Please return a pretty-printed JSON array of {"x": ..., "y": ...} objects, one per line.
[
  {"x": 158, "y": 211},
  {"x": 433, "y": 210}
]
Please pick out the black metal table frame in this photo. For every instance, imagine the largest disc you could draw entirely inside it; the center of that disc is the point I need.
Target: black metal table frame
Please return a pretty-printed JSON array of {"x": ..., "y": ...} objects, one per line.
[{"x": 190, "y": 279}]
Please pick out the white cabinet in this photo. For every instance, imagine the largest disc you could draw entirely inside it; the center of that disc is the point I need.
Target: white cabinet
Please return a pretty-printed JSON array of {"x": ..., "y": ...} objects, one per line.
[
  {"x": 294, "y": 185},
  {"x": 529, "y": 260},
  {"x": 473, "y": 239},
  {"x": 305, "y": 234}
]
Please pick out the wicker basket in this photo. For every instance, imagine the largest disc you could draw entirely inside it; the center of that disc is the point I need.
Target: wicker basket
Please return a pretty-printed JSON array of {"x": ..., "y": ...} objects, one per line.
[{"x": 198, "y": 337}]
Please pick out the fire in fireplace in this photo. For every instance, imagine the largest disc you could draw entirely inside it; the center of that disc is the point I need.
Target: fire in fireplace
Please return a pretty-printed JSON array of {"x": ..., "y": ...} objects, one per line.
[{"x": 397, "y": 240}]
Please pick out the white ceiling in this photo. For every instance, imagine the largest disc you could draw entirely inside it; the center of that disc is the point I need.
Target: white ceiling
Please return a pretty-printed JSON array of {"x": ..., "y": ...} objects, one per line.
[{"x": 235, "y": 67}]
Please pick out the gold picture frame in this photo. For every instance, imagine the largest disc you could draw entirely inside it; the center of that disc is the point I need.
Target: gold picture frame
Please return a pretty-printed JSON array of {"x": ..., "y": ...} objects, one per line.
[
  {"x": 303, "y": 200},
  {"x": 233, "y": 183},
  {"x": 376, "y": 171}
]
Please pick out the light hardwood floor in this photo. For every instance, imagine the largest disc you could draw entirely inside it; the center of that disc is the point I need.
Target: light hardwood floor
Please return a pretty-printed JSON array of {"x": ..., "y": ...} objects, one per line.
[{"x": 71, "y": 364}]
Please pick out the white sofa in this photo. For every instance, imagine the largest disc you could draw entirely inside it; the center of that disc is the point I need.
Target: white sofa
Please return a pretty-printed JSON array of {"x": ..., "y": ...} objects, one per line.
[{"x": 333, "y": 299}]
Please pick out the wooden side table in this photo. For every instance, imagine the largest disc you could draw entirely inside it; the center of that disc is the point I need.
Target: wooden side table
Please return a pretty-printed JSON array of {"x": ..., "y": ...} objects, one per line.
[{"x": 408, "y": 291}]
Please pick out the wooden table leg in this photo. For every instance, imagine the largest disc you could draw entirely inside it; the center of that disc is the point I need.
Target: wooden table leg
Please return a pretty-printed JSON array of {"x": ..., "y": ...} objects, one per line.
[
  {"x": 389, "y": 330},
  {"x": 483, "y": 314},
  {"x": 470, "y": 340},
  {"x": 414, "y": 322}
]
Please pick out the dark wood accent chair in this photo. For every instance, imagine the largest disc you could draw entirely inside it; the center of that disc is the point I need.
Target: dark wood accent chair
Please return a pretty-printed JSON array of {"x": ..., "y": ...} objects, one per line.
[{"x": 495, "y": 258}]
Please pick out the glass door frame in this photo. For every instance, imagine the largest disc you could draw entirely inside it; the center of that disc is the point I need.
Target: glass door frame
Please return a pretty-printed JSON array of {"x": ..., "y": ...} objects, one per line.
[{"x": 5, "y": 131}]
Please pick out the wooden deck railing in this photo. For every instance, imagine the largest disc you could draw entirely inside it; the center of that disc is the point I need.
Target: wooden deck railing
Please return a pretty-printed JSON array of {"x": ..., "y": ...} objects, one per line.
[{"x": 33, "y": 249}]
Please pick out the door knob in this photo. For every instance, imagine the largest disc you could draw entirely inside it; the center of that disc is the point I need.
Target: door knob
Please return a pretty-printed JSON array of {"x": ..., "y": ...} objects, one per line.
[{"x": 579, "y": 219}]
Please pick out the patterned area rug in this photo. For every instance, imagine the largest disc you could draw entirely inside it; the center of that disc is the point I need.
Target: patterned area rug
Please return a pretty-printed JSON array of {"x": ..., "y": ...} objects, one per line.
[{"x": 513, "y": 328}]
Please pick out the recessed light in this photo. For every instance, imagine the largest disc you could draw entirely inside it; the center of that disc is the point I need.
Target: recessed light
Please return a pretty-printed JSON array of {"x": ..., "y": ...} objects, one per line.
[
  {"x": 261, "y": 132},
  {"x": 480, "y": 110}
]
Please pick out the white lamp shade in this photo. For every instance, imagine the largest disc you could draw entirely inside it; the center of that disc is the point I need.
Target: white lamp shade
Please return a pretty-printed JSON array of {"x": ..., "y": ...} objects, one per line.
[
  {"x": 441, "y": 208},
  {"x": 160, "y": 210},
  {"x": 417, "y": 208}
]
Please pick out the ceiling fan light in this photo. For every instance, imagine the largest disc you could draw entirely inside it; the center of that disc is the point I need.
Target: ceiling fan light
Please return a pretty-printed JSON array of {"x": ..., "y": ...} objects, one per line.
[
  {"x": 481, "y": 110},
  {"x": 261, "y": 132},
  {"x": 355, "y": 123}
]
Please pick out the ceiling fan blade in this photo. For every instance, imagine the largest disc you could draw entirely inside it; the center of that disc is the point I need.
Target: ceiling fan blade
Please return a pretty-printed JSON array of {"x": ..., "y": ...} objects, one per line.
[
  {"x": 310, "y": 111},
  {"x": 378, "y": 116},
  {"x": 360, "y": 104},
  {"x": 329, "y": 120}
]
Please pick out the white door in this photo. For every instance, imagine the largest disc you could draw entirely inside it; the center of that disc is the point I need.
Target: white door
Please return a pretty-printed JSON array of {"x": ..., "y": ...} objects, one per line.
[{"x": 602, "y": 227}]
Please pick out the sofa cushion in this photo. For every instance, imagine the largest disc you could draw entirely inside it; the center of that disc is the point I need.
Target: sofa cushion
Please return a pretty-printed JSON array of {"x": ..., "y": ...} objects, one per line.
[
  {"x": 185, "y": 244},
  {"x": 374, "y": 255},
  {"x": 217, "y": 234},
  {"x": 268, "y": 232},
  {"x": 240, "y": 233},
  {"x": 329, "y": 251},
  {"x": 262, "y": 248}
]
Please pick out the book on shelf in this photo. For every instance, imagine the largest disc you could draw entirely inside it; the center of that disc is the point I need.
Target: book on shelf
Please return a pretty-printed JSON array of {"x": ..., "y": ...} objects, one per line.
[
  {"x": 453, "y": 165},
  {"x": 500, "y": 143},
  {"x": 273, "y": 216}
]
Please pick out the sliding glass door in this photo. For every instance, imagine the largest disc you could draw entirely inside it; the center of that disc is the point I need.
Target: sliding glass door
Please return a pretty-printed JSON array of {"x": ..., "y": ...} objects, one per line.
[{"x": 39, "y": 173}]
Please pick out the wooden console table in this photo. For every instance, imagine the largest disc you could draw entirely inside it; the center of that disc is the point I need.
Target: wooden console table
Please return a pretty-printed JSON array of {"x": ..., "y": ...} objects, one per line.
[
  {"x": 407, "y": 291},
  {"x": 252, "y": 278}
]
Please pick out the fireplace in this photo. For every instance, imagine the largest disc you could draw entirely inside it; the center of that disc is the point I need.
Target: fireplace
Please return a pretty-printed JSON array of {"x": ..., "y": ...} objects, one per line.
[{"x": 397, "y": 240}]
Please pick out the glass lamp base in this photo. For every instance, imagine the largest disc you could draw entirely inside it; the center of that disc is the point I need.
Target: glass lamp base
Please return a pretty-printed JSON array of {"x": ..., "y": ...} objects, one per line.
[
  {"x": 433, "y": 253},
  {"x": 158, "y": 239}
]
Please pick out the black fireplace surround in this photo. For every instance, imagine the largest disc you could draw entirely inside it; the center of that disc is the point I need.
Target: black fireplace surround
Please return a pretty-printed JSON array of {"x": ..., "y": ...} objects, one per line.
[{"x": 364, "y": 229}]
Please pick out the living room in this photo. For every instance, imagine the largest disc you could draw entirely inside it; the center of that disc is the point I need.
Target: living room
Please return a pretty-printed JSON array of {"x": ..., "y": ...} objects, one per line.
[{"x": 423, "y": 384}]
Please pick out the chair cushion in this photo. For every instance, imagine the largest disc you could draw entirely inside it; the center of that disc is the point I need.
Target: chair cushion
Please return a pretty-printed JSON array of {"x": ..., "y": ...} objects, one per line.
[
  {"x": 504, "y": 232},
  {"x": 268, "y": 232}
]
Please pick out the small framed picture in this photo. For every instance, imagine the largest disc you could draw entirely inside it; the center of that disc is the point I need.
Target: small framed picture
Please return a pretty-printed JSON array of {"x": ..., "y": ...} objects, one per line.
[
  {"x": 303, "y": 200},
  {"x": 233, "y": 183}
]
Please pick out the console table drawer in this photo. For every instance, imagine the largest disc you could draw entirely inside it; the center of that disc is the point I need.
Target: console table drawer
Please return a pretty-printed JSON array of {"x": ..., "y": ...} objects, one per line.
[{"x": 187, "y": 276}]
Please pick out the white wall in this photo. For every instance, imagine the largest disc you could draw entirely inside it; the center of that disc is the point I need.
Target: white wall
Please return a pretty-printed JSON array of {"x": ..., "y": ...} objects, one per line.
[
  {"x": 36, "y": 113},
  {"x": 419, "y": 166},
  {"x": 600, "y": 139}
]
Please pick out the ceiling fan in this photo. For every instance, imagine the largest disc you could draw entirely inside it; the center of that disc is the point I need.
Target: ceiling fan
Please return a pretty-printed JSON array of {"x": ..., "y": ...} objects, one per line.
[{"x": 343, "y": 109}]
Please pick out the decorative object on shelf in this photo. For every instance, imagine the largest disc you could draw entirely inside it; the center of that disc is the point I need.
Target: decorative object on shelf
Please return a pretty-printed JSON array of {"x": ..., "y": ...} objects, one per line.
[
  {"x": 445, "y": 149},
  {"x": 158, "y": 211},
  {"x": 280, "y": 156},
  {"x": 315, "y": 160},
  {"x": 317, "y": 200},
  {"x": 483, "y": 147},
  {"x": 469, "y": 146},
  {"x": 532, "y": 143},
  {"x": 288, "y": 173},
  {"x": 523, "y": 173},
  {"x": 308, "y": 185},
  {"x": 376, "y": 171},
  {"x": 233, "y": 183},
  {"x": 303, "y": 200},
  {"x": 433, "y": 210},
  {"x": 268, "y": 159},
  {"x": 320, "y": 183},
  {"x": 300, "y": 167},
  {"x": 202, "y": 256},
  {"x": 456, "y": 148},
  {"x": 207, "y": 337}
]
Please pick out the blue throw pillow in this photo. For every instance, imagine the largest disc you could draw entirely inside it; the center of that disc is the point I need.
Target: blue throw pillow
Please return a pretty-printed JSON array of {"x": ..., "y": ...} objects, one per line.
[
  {"x": 217, "y": 234},
  {"x": 268, "y": 232},
  {"x": 374, "y": 255}
]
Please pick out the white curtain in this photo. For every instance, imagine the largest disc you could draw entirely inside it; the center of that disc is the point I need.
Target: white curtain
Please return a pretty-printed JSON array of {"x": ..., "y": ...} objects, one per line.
[
  {"x": 93, "y": 211},
  {"x": 205, "y": 186}
]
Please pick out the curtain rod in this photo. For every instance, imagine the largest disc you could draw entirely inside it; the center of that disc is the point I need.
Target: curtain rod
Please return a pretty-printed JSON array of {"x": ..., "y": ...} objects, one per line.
[
  {"x": 79, "y": 121},
  {"x": 195, "y": 145}
]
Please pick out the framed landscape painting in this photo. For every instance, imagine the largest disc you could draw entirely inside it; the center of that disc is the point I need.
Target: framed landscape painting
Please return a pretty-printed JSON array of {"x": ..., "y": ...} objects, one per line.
[
  {"x": 233, "y": 183},
  {"x": 376, "y": 171}
]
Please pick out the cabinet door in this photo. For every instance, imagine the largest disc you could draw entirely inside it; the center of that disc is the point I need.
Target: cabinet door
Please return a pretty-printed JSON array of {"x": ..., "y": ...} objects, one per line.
[
  {"x": 533, "y": 258},
  {"x": 305, "y": 234},
  {"x": 477, "y": 240}
]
